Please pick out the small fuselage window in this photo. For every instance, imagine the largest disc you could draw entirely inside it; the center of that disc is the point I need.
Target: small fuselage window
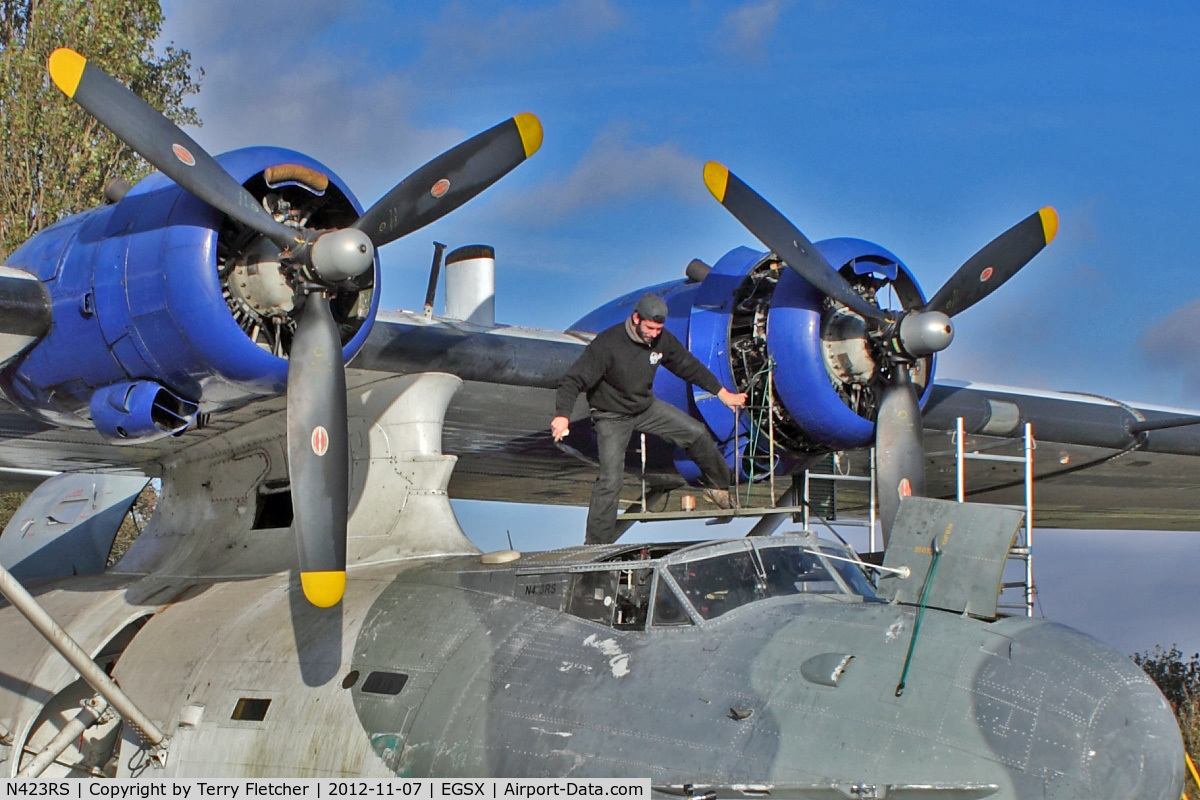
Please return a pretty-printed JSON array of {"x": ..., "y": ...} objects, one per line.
[
  {"x": 251, "y": 709},
  {"x": 384, "y": 683}
]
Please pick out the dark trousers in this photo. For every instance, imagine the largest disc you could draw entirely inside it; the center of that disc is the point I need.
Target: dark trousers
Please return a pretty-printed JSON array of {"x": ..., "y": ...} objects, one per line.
[{"x": 612, "y": 434}]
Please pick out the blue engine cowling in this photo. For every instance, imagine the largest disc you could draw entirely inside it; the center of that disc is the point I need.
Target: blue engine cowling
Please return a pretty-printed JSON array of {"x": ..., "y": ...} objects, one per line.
[
  {"x": 139, "y": 411},
  {"x": 750, "y": 316},
  {"x": 141, "y": 295}
]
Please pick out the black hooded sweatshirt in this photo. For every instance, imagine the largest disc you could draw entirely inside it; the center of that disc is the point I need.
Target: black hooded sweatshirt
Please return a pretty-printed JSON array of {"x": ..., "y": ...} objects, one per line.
[{"x": 618, "y": 373}]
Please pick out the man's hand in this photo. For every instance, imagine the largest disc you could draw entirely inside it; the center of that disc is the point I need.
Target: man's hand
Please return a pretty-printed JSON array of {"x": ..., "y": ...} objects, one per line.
[
  {"x": 560, "y": 427},
  {"x": 731, "y": 399}
]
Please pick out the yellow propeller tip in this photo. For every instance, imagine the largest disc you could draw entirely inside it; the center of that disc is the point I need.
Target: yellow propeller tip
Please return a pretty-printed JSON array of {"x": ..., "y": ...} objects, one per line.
[
  {"x": 66, "y": 68},
  {"x": 1049, "y": 222},
  {"x": 530, "y": 128},
  {"x": 716, "y": 178},
  {"x": 323, "y": 589}
]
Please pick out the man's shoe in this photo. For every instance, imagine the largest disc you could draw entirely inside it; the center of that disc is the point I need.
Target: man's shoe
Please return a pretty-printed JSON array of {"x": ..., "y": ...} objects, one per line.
[{"x": 719, "y": 498}]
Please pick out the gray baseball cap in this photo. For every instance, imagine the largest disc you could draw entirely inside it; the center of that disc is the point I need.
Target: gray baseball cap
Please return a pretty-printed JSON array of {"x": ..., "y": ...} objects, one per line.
[{"x": 651, "y": 307}]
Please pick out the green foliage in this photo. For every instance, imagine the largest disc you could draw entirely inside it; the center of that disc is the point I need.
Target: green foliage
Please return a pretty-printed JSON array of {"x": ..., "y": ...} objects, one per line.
[
  {"x": 9, "y": 503},
  {"x": 56, "y": 158},
  {"x": 1179, "y": 680},
  {"x": 134, "y": 523}
]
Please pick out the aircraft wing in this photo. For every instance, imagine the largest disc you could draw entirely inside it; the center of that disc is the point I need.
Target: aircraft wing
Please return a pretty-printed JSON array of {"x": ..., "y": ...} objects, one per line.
[
  {"x": 1090, "y": 471},
  {"x": 1093, "y": 467}
]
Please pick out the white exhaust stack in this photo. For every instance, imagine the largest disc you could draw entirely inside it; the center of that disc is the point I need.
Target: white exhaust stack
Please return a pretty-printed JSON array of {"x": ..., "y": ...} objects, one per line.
[{"x": 471, "y": 284}]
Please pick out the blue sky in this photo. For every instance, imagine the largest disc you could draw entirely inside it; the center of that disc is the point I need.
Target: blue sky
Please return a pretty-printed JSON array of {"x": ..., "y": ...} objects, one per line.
[{"x": 926, "y": 127}]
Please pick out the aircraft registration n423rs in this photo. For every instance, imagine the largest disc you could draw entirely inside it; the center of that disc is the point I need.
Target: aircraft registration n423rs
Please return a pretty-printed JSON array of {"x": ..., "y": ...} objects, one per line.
[{"x": 303, "y": 602}]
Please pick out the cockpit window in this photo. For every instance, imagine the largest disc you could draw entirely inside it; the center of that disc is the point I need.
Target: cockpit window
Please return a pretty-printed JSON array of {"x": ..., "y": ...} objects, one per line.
[
  {"x": 619, "y": 598},
  {"x": 593, "y": 595},
  {"x": 792, "y": 570},
  {"x": 714, "y": 578},
  {"x": 719, "y": 584},
  {"x": 633, "y": 599},
  {"x": 851, "y": 574},
  {"x": 668, "y": 610}
]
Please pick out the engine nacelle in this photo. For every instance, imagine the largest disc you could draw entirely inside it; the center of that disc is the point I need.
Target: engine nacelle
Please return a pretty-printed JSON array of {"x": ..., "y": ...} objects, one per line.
[
  {"x": 147, "y": 291},
  {"x": 754, "y": 322}
]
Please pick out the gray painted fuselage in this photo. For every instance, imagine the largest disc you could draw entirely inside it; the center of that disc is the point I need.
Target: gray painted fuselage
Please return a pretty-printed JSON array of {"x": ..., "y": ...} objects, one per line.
[{"x": 501, "y": 682}]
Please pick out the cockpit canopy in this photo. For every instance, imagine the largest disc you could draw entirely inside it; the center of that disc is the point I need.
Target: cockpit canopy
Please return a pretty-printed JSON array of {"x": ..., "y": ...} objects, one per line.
[{"x": 687, "y": 584}]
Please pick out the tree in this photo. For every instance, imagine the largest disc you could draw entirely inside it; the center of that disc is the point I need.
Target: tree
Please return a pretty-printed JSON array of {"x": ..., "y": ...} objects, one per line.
[
  {"x": 56, "y": 158},
  {"x": 1178, "y": 678}
]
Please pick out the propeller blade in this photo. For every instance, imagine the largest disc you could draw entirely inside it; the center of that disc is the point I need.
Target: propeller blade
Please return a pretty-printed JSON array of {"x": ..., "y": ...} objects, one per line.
[
  {"x": 783, "y": 238},
  {"x": 1000, "y": 259},
  {"x": 318, "y": 453},
  {"x": 899, "y": 447},
  {"x": 451, "y": 179},
  {"x": 159, "y": 141},
  {"x": 26, "y": 311}
]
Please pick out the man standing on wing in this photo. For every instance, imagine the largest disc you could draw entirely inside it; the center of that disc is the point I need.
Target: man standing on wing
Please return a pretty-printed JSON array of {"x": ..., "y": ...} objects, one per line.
[{"x": 617, "y": 372}]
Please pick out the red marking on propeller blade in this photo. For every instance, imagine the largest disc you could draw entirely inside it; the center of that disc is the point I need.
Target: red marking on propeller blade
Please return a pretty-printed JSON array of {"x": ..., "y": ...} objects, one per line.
[
  {"x": 183, "y": 154},
  {"x": 986, "y": 275},
  {"x": 440, "y": 188},
  {"x": 905, "y": 488},
  {"x": 320, "y": 440}
]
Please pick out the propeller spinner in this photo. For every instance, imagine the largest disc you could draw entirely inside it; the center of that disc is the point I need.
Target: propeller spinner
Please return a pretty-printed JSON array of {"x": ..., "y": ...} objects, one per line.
[
  {"x": 902, "y": 336},
  {"x": 315, "y": 262}
]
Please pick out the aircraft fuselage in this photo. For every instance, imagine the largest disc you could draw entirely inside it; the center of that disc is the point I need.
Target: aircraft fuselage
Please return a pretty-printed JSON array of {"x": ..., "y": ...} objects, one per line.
[{"x": 559, "y": 665}]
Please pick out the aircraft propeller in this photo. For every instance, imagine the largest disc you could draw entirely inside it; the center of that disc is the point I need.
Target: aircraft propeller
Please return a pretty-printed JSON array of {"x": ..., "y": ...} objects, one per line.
[
  {"x": 902, "y": 336},
  {"x": 316, "y": 261}
]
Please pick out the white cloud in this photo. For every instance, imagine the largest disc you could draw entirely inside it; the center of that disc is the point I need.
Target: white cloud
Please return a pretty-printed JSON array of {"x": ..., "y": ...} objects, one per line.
[
  {"x": 270, "y": 80},
  {"x": 745, "y": 30},
  {"x": 463, "y": 38},
  {"x": 234, "y": 24},
  {"x": 613, "y": 168}
]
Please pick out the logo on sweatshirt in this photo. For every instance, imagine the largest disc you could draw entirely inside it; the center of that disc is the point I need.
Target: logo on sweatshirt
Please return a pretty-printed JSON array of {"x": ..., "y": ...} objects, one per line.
[{"x": 655, "y": 357}]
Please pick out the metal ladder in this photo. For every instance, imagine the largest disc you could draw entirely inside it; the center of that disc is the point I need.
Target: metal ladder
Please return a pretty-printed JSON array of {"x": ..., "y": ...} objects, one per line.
[
  {"x": 1022, "y": 551},
  {"x": 835, "y": 477}
]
